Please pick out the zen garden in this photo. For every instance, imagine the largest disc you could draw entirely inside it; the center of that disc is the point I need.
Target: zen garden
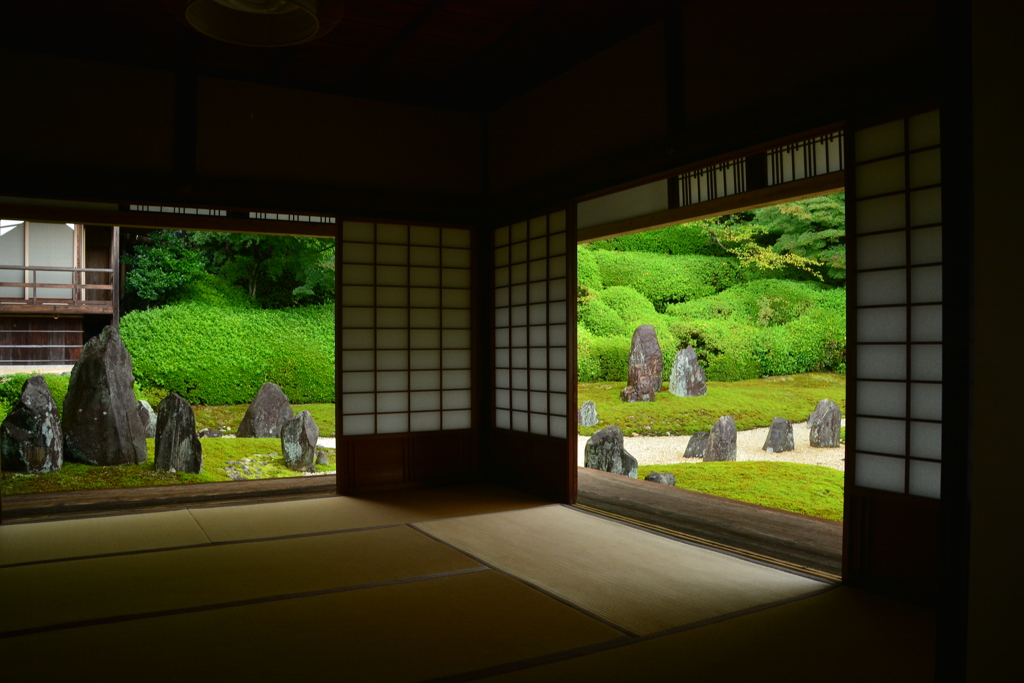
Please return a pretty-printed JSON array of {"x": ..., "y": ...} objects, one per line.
[{"x": 711, "y": 357}]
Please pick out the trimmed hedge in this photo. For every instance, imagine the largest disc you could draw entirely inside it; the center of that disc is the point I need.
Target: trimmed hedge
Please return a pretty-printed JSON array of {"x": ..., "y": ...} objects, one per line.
[
  {"x": 11, "y": 386},
  {"x": 763, "y": 302},
  {"x": 588, "y": 276},
  {"x": 688, "y": 238},
  {"x": 220, "y": 356}
]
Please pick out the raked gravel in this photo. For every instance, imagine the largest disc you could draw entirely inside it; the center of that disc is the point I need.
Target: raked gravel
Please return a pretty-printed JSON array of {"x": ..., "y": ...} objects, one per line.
[{"x": 663, "y": 450}]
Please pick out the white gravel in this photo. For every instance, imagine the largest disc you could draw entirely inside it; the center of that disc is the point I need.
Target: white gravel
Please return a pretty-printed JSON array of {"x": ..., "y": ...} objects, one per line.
[{"x": 663, "y": 450}]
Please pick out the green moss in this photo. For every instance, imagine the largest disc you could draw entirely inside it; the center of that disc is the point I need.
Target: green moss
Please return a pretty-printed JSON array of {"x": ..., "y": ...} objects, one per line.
[
  {"x": 804, "y": 489},
  {"x": 753, "y": 403}
]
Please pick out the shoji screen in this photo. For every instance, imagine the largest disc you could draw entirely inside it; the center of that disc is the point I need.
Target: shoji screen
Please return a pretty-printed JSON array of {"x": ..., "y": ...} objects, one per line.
[
  {"x": 895, "y": 430},
  {"x": 534, "y": 354},
  {"x": 405, "y": 326}
]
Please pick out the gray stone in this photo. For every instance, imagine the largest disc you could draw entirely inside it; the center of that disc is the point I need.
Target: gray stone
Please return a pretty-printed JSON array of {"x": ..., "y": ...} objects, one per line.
[
  {"x": 101, "y": 416},
  {"x": 586, "y": 416},
  {"x": 780, "y": 436},
  {"x": 321, "y": 457},
  {"x": 697, "y": 446},
  {"x": 826, "y": 422},
  {"x": 666, "y": 478},
  {"x": 645, "y": 366},
  {"x": 31, "y": 440},
  {"x": 208, "y": 433},
  {"x": 687, "y": 378},
  {"x": 722, "y": 441},
  {"x": 298, "y": 442},
  {"x": 266, "y": 414},
  {"x": 177, "y": 444},
  {"x": 605, "y": 451},
  {"x": 148, "y": 417}
]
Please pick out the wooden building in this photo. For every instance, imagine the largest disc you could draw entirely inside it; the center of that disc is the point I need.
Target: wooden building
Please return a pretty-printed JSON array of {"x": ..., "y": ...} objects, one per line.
[{"x": 458, "y": 150}]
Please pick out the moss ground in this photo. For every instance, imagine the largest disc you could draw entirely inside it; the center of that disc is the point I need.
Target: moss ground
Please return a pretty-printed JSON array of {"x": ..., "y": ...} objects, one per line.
[
  {"x": 806, "y": 489},
  {"x": 218, "y": 417},
  {"x": 752, "y": 403}
]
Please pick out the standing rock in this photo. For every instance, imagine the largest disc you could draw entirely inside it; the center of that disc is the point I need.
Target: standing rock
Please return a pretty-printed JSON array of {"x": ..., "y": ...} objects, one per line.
[
  {"x": 605, "y": 451},
  {"x": 101, "y": 417},
  {"x": 722, "y": 441},
  {"x": 148, "y": 417},
  {"x": 687, "y": 378},
  {"x": 30, "y": 437},
  {"x": 666, "y": 478},
  {"x": 697, "y": 446},
  {"x": 780, "y": 436},
  {"x": 645, "y": 366},
  {"x": 177, "y": 444},
  {"x": 298, "y": 442},
  {"x": 826, "y": 421},
  {"x": 322, "y": 458},
  {"x": 587, "y": 414},
  {"x": 266, "y": 414}
]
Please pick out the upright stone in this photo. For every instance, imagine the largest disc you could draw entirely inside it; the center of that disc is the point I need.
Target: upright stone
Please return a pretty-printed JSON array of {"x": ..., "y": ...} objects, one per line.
[
  {"x": 666, "y": 478},
  {"x": 697, "y": 446},
  {"x": 780, "y": 436},
  {"x": 30, "y": 437},
  {"x": 101, "y": 418},
  {"x": 645, "y": 366},
  {"x": 722, "y": 441},
  {"x": 298, "y": 442},
  {"x": 687, "y": 378},
  {"x": 177, "y": 445},
  {"x": 606, "y": 451},
  {"x": 826, "y": 422},
  {"x": 266, "y": 414},
  {"x": 148, "y": 417},
  {"x": 586, "y": 416}
]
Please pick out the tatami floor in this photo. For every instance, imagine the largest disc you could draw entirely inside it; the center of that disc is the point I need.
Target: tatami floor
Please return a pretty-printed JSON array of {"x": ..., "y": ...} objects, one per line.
[{"x": 462, "y": 583}]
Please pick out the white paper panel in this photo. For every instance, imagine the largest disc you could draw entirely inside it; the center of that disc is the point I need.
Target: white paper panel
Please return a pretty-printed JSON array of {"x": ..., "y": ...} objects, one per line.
[
  {"x": 556, "y": 312},
  {"x": 357, "y": 317},
  {"x": 557, "y": 404},
  {"x": 538, "y": 226},
  {"x": 557, "y": 427},
  {"x": 392, "y": 381},
  {"x": 456, "y": 339},
  {"x": 926, "y": 362},
  {"x": 392, "y": 255},
  {"x": 557, "y": 358},
  {"x": 425, "y": 277},
  {"x": 926, "y": 206},
  {"x": 392, "y": 360},
  {"x": 357, "y": 296},
  {"x": 538, "y": 314},
  {"x": 501, "y": 317},
  {"x": 926, "y": 245},
  {"x": 556, "y": 221},
  {"x": 539, "y": 336},
  {"x": 519, "y": 316},
  {"x": 357, "y": 253},
  {"x": 538, "y": 358},
  {"x": 457, "y": 419},
  {"x": 456, "y": 319},
  {"x": 425, "y": 339},
  {"x": 357, "y": 360},
  {"x": 882, "y": 287},
  {"x": 538, "y": 270},
  {"x": 887, "y": 250},
  {"x": 881, "y": 436},
  {"x": 520, "y": 379},
  {"x": 884, "y": 213},
  {"x": 538, "y": 292},
  {"x": 502, "y": 358},
  {"x": 519, "y": 253},
  {"x": 501, "y": 277},
  {"x": 392, "y": 275},
  {"x": 424, "y": 298},
  {"x": 520, "y": 400},
  {"x": 392, "y": 296},
  {"x": 425, "y": 359},
  {"x": 926, "y": 401},
  {"x": 886, "y": 399},
  {"x": 881, "y": 362},
  {"x": 558, "y": 290},
  {"x": 455, "y": 298},
  {"x": 358, "y": 424},
  {"x": 357, "y": 232},
  {"x": 557, "y": 245},
  {"x": 425, "y": 400},
  {"x": 503, "y": 398},
  {"x": 393, "y": 402},
  {"x": 503, "y": 419},
  {"x": 924, "y": 130},
  {"x": 454, "y": 277},
  {"x": 392, "y": 339},
  {"x": 424, "y": 256},
  {"x": 538, "y": 402},
  {"x": 425, "y": 235},
  {"x": 457, "y": 400},
  {"x": 456, "y": 258},
  {"x": 539, "y": 380},
  {"x": 538, "y": 248},
  {"x": 926, "y": 284},
  {"x": 355, "y": 274},
  {"x": 501, "y": 256},
  {"x": 502, "y": 379},
  {"x": 519, "y": 336},
  {"x": 357, "y": 339},
  {"x": 925, "y": 168},
  {"x": 636, "y": 201},
  {"x": 538, "y": 424},
  {"x": 352, "y": 404},
  {"x": 420, "y": 380},
  {"x": 519, "y": 295},
  {"x": 354, "y": 382},
  {"x": 557, "y": 335},
  {"x": 456, "y": 237},
  {"x": 557, "y": 380},
  {"x": 424, "y": 422},
  {"x": 457, "y": 379},
  {"x": 881, "y": 177},
  {"x": 926, "y": 440},
  {"x": 392, "y": 317},
  {"x": 925, "y": 479},
  {"x": 520, "y": 422},
  {"x": 879, "y": 472},
  {"x": 392, "y": 234},
  {"x": 519, "y": 274},
  {"x": 926, "y": 323},
  {"x": 882, "y": 324},
  {"x": 879, "y": 141},
  {"x": 556, "y": 267},
  {"x": 456, "y": 359}
]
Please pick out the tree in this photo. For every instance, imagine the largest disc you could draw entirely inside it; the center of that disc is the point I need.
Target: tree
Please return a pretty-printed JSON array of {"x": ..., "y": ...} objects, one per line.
[{"x": 159, "y": 270}]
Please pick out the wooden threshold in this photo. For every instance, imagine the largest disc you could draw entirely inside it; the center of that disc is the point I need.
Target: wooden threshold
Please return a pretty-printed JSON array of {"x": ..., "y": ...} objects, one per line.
[
  {"x": 795, "y": 541},
  {"x": 151, "y": 498},
  {"x": 54, "y": 309}
]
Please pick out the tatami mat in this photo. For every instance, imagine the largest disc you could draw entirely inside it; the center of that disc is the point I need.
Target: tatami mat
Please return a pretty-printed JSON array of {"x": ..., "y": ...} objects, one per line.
[
  {"x": 334, "y": 513},
  {"x": 78, "y": 590},
  {"x": 42, "y": 541},
  {"x": 403, "y": 632},
  {"x": 638, "y": 581}
]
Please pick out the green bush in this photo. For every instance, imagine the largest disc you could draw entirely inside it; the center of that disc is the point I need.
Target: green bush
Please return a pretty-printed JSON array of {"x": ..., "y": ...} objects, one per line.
[
  {"x": 11, "y": 386},
  {"x": 687, "y": 238},
  {"x": 762, "y": 302},
  {"x": 219, "y": 356},
  {"x": 601, "y": 319},
  {"x": 588, "y": 276},
  {"x": 602, "y": 359},
  {"x": 212, "y": 290},
  {"x": 665, "y": 279}
]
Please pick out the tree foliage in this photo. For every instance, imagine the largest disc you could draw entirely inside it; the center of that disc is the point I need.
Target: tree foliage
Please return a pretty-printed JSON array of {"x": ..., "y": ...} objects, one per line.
[{"x": 159, "y": 271}]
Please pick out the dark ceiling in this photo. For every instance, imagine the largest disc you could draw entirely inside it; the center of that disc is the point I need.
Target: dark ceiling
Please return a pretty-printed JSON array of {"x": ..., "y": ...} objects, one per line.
[{"x": 461, "y": 54}]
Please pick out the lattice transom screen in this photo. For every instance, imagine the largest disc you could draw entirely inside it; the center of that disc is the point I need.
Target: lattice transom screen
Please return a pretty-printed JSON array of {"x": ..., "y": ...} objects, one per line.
[
  {"x": 530, "y": 330},
  {"x": 898, "y": 218},
  {"x": 406, "y": 328}
]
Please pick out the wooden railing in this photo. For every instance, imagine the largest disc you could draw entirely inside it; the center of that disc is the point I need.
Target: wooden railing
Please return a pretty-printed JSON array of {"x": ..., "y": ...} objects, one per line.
[{"x": 78, "y": 289}]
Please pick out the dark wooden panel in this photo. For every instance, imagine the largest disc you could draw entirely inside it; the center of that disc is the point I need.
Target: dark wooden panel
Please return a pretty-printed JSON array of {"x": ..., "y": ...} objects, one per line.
[
  {"x": 532, "y": 463},
  {"x": 386, "y": 461},
  {"x": 892, "y": 545},
  {"x": 47, "y": 334}
]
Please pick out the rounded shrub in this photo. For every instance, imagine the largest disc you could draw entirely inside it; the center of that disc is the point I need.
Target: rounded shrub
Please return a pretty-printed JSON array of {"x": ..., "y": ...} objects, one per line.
[
  {"x": 687, "y": 238},
  {"x": 601, "y": 319},
  {"x": 588, "y": 276},
  {"x": 665, "y": 279},
  {"x": 603, "y": 359}
]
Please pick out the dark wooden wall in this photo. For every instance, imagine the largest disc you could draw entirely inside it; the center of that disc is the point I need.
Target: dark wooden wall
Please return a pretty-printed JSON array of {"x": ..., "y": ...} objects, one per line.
[{"x": 25, "y": 331}]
